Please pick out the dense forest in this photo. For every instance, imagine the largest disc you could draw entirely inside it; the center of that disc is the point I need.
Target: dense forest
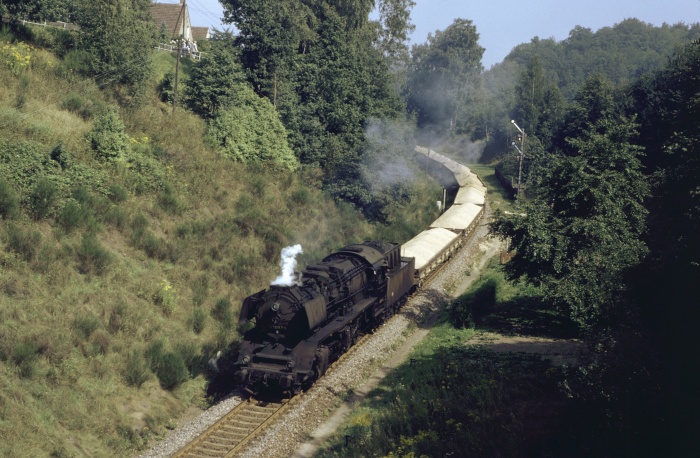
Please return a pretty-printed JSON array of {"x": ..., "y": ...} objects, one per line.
[{"x": 131, "y": 228}]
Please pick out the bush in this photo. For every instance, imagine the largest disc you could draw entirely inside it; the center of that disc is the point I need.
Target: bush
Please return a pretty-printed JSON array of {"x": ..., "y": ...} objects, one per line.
[
  {"x": 9, "y": 201},
  {"x": 136, "y": 371},
  {"x": 250, "y": 131},
  {"x": 93, "y": 258},
  {"x": 222, "y": 312},
  {"x": 471, "y": 308},
  {"x": 117, "y": 194},
  {"x": 168, "y": 201},
  {"x": 108, "y": 138},
  {"x": 72, "y": 215},
  {"x": 42, "y": 198},
  {"x": 166, "y": 297},
  {"x": 23, "y": 242},
  {"x": 171, "y": 371},
  {"x": 199, "y": 320},
  {"x": 24, "y": 357},
  {"x": 85, "y": 326}
]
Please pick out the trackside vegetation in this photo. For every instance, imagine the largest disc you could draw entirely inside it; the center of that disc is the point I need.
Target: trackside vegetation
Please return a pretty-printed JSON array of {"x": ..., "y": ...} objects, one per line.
[{"x": 127, "y": 243}]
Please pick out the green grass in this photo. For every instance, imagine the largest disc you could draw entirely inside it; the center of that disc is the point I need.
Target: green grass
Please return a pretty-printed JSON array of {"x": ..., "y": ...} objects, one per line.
[
  {"x": 498, "y": 197},
  {"x": 453, "y": 399}
]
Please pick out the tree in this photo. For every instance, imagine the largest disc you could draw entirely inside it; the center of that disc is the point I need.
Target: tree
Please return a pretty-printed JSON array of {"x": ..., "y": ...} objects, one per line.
[
  {"x": 443, "y": 73},
  {"x": 215, "y": 79},
  {"x": 119, "y": 37},
  {"x": 39, "y": 10},
  {"x": 579, "y": 238}
]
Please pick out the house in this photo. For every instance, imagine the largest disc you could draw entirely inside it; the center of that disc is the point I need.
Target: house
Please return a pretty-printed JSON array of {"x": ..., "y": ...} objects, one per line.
[
  {"x": 200, "y": 33},
  {"x": 174, "y": 19}
]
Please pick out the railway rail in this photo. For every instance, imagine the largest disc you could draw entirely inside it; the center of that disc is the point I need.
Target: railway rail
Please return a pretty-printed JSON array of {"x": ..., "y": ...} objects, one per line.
[{"x": 235, "y": 430}]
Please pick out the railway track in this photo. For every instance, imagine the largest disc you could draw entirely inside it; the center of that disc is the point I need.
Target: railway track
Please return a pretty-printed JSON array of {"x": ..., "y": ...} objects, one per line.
[{"x": 248, "y": 420}]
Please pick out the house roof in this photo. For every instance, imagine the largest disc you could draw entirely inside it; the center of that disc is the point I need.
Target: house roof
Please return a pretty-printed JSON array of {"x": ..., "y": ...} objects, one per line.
[
  {"x": 168, "y": 14},
  {"x": 200, "y": 33}
]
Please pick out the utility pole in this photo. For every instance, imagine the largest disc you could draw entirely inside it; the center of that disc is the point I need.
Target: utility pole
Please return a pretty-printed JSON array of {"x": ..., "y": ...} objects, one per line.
[
  {"x": 521, "y": 150},
  {"x": 179, "y": 50}
]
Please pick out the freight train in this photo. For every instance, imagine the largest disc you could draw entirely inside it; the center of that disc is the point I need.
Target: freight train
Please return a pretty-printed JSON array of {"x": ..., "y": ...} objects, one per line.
[{"x": 300, "y": 329}]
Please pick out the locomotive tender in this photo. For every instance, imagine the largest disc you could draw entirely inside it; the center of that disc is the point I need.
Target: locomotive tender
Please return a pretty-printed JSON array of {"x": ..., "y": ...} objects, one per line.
[{"x": 299, "y": 330}]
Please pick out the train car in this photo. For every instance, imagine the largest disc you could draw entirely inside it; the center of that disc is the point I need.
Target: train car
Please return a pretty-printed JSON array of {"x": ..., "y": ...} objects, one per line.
[
  {"x": 431, "y": 248},
  {"x": 461, "y": 219},
  {"x": 299, "y": 330}
]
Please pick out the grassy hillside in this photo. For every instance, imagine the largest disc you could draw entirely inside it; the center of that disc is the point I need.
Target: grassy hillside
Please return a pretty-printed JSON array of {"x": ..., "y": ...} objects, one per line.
[{"x": 120, "y": 279}]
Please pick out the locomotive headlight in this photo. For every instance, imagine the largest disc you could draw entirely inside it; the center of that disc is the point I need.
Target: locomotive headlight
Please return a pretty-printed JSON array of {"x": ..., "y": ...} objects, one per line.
[
  {"x": 246, "y": 359},
  {"x": 290, "y": 365}
]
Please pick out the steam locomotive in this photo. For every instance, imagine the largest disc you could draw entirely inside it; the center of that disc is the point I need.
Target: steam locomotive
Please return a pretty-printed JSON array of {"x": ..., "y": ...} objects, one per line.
[{"x": 300, "y": 330}]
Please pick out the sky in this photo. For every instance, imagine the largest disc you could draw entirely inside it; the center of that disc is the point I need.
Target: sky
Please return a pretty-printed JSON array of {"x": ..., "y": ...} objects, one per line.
[{"x": 504, "y": 24}]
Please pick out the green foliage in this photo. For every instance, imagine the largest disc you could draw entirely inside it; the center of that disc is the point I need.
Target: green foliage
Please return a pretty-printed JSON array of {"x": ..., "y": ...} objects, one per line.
[
  {"x": 168, "y": 366},
  {"x": 443, "y": 74},
  {"x": 9, "y": 201},
  {"x": 620, "y": 53},
  {"x": 93, "y": 257},
  {"x": 223, "y": 313},
  {"x": 216, "y": 79},
  {"x": 165, "y": 297},
  {"x": 590, "y": 206},
  {"x": 85, "y": 325},
  {"x": 25, "y": 356},
  {"x": 119, "y": 38},
  {"x": 250, "y": 131},
  {"x": 166, "y": 88},
  {"x": 82, "y": 105},
  {"x": 108, "y": 138},
  {"x": 470, "y": 309},
  {"x": 22, "y": 241},
  {"x": 73, "y": 215},
  {"x": 43, "y": 198},
  {"x": 136, "y": 371},
  {"x": 199, "y": 320},
  {"x": 38, "y": 10}
]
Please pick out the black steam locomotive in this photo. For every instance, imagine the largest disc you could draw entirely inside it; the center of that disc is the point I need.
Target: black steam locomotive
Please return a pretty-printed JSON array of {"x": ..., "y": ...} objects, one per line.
[{"x": 300, "y": 330}]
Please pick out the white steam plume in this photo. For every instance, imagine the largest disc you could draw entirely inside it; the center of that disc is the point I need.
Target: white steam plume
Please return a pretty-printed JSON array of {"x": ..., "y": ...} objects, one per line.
[{"x": 288, "y": 264}]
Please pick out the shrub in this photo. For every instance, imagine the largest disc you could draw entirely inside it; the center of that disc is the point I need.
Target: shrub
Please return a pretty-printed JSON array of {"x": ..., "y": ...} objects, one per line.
[
  {"x": 117, "y": 194},
  {"x": 72, "y": 215},
  {"x": 165, "y": 297},
  {"x": 9, "y": 201},
  {"x": 42, "y": 198},
  {"x": 24, "y": 357},
  {"x": 199, "y": 320},
  {"x": 168, "y": 201},
  {"x": 136, "y": 371},
  {"x": 250, "y": 131},
  {"x": 171, "y": 371},
  {"x": 23, "y": 242},
  {"x": 101, "y": 341},
  {"x": 222, "y": 309},
  {"x": 108, "y": 138},
  {"x": 469, "y": 309},
  {"x": 85, "y": 326},
  {"x": 61, "y": 155},
  {"x": 93, "y": 258}
]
